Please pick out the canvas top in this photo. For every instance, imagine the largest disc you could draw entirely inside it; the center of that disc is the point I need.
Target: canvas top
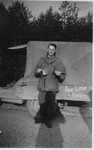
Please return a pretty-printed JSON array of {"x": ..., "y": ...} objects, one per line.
[{"x": 76, "y": 57}]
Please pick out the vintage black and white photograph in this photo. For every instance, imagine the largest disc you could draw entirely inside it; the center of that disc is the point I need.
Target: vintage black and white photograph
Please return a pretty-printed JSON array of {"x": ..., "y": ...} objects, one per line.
[{"x": 46, "y": 50}]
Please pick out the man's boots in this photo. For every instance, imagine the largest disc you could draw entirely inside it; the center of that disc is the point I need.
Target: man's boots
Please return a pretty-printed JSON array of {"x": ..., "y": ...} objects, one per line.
[
  {"x": 38, "y": 118},
  {"x": 47, "y": 122}
]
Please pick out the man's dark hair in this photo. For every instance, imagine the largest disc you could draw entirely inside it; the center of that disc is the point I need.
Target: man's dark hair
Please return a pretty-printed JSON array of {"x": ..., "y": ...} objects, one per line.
[{"x": 52, "y": 44}]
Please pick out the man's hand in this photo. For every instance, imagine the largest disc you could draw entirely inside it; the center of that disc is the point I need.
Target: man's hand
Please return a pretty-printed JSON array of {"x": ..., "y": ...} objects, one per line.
[
  {"x": 57, "y": 72},
  {"x": 39, "y": 70}
]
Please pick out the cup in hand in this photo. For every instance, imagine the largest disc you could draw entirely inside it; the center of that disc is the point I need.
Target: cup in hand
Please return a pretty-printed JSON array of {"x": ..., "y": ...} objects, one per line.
[{"x": 44, "y": 72}]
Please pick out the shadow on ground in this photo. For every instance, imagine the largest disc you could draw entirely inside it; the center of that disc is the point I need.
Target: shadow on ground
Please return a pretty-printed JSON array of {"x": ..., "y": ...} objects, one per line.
[
  {"x": 87, "y": 117},
  {"x": 86, "y": 113},
  {"x": 51, "y": 137}
]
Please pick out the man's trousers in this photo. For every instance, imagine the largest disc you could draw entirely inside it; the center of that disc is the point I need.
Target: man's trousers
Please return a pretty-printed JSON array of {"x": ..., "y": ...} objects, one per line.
[{"x": 47, "y": 103}]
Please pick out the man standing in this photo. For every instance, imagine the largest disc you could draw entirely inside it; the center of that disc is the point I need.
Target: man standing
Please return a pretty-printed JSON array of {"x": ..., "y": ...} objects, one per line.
[{"x": 50, "y": 71}]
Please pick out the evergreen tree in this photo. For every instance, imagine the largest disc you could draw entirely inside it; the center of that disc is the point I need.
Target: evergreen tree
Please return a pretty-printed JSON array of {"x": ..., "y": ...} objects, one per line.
[
  {"x": 49, "y": 25},
  {"x": 19, "y": 17},
  {"x": 3, "y": 24}
]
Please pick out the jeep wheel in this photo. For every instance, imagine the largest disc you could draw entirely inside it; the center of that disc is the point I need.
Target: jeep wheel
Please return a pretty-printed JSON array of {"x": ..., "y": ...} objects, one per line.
[{"x": 32, "y": 107}]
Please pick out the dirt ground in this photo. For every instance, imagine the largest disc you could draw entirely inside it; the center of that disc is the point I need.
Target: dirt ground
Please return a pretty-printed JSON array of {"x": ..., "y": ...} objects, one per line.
[{"x": 72, "y": 128}]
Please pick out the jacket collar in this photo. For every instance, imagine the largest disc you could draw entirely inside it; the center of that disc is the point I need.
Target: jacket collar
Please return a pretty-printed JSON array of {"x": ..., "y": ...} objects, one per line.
[{"x": 50, "y": 60}]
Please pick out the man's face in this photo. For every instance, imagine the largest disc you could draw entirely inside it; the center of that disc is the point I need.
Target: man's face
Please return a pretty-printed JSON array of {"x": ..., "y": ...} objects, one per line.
[{"x": 51, "y": 50}]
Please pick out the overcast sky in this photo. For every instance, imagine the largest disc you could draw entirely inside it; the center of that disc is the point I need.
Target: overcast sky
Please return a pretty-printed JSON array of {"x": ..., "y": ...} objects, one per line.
[{"x": 38, "y": 6}]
